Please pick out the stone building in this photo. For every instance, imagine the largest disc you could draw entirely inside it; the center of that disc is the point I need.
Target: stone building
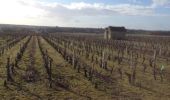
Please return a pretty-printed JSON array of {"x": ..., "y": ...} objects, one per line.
[{"x": 117, "y": 33}]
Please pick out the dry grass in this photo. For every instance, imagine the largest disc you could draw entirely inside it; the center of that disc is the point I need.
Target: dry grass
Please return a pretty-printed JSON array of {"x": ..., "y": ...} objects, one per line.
[{"x": 80, "y": 88}]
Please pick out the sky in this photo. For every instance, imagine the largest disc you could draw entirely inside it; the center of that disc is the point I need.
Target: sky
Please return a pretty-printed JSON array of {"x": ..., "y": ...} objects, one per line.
[{"x": 133, "y": 14}]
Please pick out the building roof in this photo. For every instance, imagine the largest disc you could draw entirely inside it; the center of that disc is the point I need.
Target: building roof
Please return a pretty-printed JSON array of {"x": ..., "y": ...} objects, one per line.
[{"x": 119, "y": 29}]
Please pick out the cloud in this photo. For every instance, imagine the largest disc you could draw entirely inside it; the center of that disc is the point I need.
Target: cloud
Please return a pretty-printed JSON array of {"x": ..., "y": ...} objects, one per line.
[
  {"x": 59, "y": 12},
  {"x": 160, "y": 2},
  {"x": 95, "y": 9},
  {"x": 74, "y": 13},
  {"x": 37, "y": 8},
  {"x": 16, "y": 10},
  {"x": 135, "y": 1}
]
